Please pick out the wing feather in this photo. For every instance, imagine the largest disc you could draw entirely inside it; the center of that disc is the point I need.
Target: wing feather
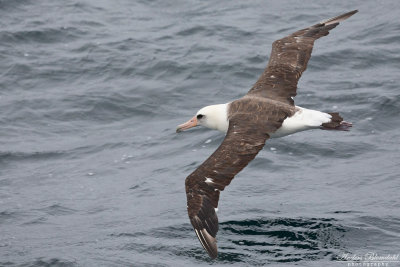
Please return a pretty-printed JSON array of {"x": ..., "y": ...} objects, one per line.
[{"x": 289, "y": 59}]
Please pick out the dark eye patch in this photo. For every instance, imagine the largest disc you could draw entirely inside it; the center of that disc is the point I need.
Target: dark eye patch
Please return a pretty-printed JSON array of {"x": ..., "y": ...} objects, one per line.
[{"x": 200, "y": 116}]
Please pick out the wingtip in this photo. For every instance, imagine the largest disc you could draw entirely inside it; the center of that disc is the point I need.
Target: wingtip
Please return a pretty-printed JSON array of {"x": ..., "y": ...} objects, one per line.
[
  {"x": 208, "y": 242},
  {"x": 353, "y": 12},
  {"x": 339, "y": 18}
]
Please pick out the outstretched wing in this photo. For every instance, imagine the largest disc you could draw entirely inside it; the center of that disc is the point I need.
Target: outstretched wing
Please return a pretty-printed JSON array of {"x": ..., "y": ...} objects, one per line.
[
  {"x": 288, "y": 60},
  {"x": 246, "y": 136}
]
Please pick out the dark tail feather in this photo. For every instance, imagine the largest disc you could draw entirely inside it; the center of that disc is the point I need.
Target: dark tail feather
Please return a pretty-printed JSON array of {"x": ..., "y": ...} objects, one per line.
[{"x": 336, "y": 123}]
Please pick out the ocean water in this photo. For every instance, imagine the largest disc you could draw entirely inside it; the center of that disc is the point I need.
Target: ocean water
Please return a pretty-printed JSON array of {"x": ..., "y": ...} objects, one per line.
[{"x": 91, "y": 169}]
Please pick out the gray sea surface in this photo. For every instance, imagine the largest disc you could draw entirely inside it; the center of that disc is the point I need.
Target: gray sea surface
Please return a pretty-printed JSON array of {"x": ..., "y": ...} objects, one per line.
[{"x": 92, "y": 172}]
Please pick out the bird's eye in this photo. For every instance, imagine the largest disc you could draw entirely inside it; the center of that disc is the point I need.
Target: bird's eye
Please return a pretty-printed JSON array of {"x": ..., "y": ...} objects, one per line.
[{"x": 200, "y": 116}]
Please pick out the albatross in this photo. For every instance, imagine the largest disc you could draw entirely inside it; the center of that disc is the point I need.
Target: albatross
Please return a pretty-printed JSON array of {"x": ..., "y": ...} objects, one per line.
[{"x": 266, "y": 111}]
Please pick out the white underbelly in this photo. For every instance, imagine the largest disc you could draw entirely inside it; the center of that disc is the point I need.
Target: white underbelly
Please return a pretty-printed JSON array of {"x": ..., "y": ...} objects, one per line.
[{"x": 303, "y": 119}]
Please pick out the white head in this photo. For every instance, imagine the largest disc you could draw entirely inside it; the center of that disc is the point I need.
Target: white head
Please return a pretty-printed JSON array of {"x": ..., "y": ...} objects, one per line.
[{"x": 214, "y": 117}]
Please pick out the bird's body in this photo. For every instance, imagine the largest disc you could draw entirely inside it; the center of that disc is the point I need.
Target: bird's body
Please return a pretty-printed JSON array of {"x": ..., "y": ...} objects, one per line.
[
  {"x": 266, "y": 111},
  {"x": 301, "y": 119}
]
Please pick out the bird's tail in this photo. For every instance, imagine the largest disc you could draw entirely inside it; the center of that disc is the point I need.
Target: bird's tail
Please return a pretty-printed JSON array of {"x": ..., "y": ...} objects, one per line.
[{"x": 336, "y": 123}]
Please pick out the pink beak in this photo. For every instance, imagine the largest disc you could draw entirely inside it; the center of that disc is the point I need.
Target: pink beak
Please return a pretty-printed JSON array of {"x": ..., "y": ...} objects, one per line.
[{"x": 187, "y": 125}]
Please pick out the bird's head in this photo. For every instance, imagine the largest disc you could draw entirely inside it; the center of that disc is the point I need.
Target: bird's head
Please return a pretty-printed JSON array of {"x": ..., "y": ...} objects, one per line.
[{"x": 214, "y": 117}]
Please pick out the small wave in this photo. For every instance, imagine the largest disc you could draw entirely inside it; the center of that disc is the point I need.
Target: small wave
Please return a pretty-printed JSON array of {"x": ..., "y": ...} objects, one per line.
[
  {"x": 57, "y": 210},
  {"x": 13, "y": 5},
  {"x": 353, "y": 58},
  {"x": 337, "y": 148},
  {"x": 6, "y": 216},
  {"x": 38, "y": 220},
  {"x": 104, "y": 108},
  {"x": 192, "y": 31},
  {"x": 42, "y": 36},
  {"x": 22, "y": 156},
  {"x": 15, "y": 156},
  {"x": 387, "y": 106},
  {"x": 43, "y": 262}
]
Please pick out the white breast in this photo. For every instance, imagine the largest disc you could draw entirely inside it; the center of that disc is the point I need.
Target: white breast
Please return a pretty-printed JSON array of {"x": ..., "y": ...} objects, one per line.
[{"x": 303, "y": 119}]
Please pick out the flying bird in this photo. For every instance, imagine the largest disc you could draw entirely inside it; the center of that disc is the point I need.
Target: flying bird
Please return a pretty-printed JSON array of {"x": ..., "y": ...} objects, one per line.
[{"x": 266, "y": 111}]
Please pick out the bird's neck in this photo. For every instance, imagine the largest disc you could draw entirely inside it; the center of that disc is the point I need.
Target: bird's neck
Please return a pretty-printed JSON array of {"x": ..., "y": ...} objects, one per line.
[{"x": 220, "y": 118}]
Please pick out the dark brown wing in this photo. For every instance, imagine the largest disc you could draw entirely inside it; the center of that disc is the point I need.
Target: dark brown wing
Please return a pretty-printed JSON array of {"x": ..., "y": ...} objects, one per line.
[
  {"x": 288, "y": 60},
  {"x": 246, "y": 136}
]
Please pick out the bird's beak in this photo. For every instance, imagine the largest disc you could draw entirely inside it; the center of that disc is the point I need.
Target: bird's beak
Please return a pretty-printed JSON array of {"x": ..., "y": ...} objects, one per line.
[{"x": 189, "y": 124}]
